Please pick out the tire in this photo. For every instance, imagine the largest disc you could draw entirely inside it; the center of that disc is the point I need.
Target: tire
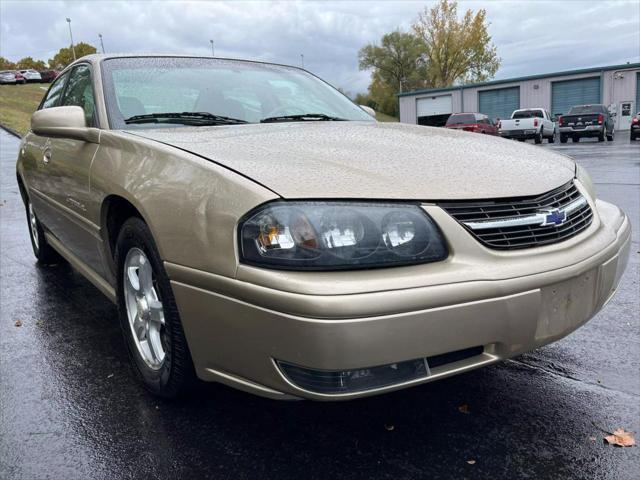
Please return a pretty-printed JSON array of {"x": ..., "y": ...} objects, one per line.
[
  {"x": 552, "y": 138},
  {"x": 161, "y": 360},
  {"x": 521, "y": 140},
  {"x": 575, "y": 139},
  {"x": 602, "y": 136},
  {"x": 611, "y": 137},
  {"x": 539, "y": 137},
  {"x": 41, "y": 249},
  {"x": 563, "y": 138}
]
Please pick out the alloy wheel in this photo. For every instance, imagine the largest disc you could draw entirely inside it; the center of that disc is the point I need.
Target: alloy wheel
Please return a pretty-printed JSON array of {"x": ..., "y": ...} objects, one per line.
[{"x": 144, "y": 308}]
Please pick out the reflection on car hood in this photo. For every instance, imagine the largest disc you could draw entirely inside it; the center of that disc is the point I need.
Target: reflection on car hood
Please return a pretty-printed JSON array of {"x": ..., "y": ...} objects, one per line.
[{"x": 374, "y": 160}]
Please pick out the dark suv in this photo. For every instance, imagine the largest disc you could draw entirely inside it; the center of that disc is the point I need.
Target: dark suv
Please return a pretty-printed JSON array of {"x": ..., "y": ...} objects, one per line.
[{"x": 586, "y": 121}]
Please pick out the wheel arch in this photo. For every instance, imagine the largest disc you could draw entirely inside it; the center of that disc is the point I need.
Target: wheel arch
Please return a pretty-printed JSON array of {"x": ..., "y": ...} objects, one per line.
[{"x": 116, "y": 210}]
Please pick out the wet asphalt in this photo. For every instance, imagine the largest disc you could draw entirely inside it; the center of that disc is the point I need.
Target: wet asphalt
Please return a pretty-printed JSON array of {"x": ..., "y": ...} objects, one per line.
[{"x": 70, "y": 408}]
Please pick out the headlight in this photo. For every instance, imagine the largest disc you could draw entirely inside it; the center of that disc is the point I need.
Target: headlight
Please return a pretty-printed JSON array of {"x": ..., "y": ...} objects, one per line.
[{"x": 339, "y": 235}]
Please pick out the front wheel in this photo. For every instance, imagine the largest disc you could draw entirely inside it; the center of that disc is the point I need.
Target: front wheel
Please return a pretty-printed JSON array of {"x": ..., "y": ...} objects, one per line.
[{"x": 149, "y": 316}]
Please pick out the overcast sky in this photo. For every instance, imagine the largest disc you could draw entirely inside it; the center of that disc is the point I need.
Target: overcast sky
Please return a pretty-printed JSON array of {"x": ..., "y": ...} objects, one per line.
[{"x": 531, "y": 36}]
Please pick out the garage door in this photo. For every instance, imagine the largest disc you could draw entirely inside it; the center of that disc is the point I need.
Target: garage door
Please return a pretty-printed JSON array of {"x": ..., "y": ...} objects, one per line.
[
  {"x": 568, "y": 93},
  {"x": 434, "y": 111},
  {"x": 499, "y": 103},
  {"x": 637, "y": 106}
]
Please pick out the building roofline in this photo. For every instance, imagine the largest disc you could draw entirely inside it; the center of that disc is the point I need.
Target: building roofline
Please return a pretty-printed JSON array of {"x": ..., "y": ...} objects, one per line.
[{"x": 520, "y": 79}]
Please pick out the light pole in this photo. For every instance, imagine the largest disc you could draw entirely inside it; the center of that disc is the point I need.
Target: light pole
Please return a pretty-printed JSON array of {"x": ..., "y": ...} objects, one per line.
[
  {"x": 101, "y": 43},
  {"x": 302, "y": 60},
  {"x": 213, "y": 53},
  {"x": 73, "y": 49}
]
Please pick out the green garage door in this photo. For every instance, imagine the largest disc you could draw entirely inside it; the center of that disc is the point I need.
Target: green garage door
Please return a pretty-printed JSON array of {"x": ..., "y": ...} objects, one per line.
[
  {"x": 637, "y": 107},
  {"x": 499, "y": 103},
  {"x": 568, "y": 93}
]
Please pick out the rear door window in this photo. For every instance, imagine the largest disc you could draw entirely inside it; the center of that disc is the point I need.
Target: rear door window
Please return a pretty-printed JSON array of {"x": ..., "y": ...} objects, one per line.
[
  {"x": 52, "y": 99},
  {"x": 462, "y": 119}
]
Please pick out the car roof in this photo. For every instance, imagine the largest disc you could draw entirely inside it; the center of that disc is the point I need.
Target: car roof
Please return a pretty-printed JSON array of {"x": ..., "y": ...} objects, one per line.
[{"x": 96, "y": 58}]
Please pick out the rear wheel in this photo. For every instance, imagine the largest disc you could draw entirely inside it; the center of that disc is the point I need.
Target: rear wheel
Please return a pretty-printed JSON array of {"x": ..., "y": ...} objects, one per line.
[
  {"x": 563, "y": 138},
  {"x": 149, "y": 316},
  {"x": 41, "y": 249},
  {"x": 602, "y": 135},
  {"x": 552, "y": 138},
  {"x": 611, "y": 136},
  {"x": 575, "y": 139},
  {"x": 539, "y": 137}
]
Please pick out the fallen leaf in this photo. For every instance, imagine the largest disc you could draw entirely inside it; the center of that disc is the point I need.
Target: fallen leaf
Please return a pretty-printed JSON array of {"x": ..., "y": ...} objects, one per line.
[
  {"x": 621, "y": 438},
  {"x": 471, "y": 462},
  {"x": 464, "y": 409},
  {"x": 389, "y": 427},
  {"x": 18, "y": 323}
]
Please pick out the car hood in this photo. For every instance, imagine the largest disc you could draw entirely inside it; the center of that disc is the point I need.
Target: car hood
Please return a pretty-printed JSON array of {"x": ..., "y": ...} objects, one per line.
[{"x": 373, "y": 160}]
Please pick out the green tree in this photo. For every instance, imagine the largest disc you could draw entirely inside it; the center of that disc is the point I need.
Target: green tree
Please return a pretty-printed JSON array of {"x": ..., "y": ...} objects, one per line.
[
  {"x": 6, "y": 64},
  {"x": 29, "y": 62},
  {"x": 397, "y": 64},
  {"x": 456, "y": 50},
  {"x": 65, "y": 56},
  {"x": 397, "y": 61}
]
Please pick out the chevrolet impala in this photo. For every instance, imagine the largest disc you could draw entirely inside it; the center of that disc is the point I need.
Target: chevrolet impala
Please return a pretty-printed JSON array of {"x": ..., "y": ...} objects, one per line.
[{"x": 257, "y": 228}]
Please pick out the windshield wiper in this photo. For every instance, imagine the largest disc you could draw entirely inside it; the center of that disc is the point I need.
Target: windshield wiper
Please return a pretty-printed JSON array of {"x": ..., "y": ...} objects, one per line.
[
  {"x": 307, "y": 117},
  {"x": 187, "y": 118}
]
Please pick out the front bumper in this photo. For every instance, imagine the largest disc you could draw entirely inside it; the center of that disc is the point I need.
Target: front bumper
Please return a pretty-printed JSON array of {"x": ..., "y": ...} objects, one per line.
[{"x": 237, "y": 330}]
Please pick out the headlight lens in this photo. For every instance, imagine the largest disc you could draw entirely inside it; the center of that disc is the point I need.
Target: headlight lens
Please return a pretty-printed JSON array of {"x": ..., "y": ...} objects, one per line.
[{"x": 339, "y": 235}]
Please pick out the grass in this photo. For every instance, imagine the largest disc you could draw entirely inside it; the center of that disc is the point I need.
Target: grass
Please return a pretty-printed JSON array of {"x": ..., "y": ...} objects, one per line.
[
  {"x": 18, "y": 102},
  {"x": 383, "y": 117}
]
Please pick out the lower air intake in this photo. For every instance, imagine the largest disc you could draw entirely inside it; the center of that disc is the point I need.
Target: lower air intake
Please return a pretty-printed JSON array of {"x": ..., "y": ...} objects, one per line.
[{"x": 348, "y": 381}]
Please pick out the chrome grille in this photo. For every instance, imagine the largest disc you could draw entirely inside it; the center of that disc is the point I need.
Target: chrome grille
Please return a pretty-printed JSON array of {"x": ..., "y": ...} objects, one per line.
[{"x": 508, "y": 224}]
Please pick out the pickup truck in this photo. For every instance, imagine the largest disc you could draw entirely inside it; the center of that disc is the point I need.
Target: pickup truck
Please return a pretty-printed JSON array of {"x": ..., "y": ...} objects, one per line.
[
  {"x": 529, "y": 123},
  {"x": 586, "y": 121}
]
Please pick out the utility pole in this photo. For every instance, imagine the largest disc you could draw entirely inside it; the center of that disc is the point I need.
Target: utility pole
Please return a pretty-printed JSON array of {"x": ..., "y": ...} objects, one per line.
[
  {"x": 101, "y": 44},
  {"x": 73, "y": 49},
  {"x": 302, "y": 60},
  {"x": 213, "y": 52}
]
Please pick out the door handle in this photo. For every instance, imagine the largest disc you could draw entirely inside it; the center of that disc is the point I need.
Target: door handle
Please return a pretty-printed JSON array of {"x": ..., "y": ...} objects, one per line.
[{"x": 46, "y": 158}]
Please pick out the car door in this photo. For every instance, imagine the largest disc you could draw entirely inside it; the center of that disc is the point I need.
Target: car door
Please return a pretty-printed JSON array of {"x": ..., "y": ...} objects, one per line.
[
  {"x": 68, "y": 170},
  {"x": 35, "y": 153}
]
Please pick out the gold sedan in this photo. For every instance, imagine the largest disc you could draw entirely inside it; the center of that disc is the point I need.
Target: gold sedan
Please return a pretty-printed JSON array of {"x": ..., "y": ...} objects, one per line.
[{"x": 257, "y": 228}]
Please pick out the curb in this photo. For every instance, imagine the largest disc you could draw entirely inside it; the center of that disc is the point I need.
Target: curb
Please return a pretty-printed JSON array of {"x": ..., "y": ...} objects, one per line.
[{"x": 10, "y": 130}]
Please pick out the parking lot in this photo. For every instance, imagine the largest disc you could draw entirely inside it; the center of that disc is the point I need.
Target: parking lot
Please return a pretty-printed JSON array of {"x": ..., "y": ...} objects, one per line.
[{"x": 70, "y": 407}]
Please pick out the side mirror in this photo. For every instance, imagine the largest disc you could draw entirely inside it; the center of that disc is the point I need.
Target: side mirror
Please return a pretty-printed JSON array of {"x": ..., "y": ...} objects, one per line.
[
  {"x": 63, "y": 122},
  {"x": 369, "y": 110}
]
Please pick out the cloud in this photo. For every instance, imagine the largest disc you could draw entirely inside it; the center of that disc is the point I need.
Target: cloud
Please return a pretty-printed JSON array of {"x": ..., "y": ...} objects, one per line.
[{"x": 532, "y": 37}]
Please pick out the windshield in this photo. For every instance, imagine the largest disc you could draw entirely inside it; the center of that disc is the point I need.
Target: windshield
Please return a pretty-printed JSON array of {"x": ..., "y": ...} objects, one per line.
[
  {"x": 245, "y": 92},
  {"x": 528, "y": 114},
  {"x": 582, "y": 109},
  {"x": 461, "y": 119}
]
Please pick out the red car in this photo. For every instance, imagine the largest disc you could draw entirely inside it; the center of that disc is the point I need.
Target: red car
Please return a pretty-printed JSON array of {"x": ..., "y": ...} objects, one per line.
[
  {"x": 49, "y": 76},
  {"x": 19, "y": 77},
  {"x": 472, "y": 122}
]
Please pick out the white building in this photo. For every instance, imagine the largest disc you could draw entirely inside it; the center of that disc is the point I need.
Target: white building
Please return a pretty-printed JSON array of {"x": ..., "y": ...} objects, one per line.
[{"x": 617, "y": 86}]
